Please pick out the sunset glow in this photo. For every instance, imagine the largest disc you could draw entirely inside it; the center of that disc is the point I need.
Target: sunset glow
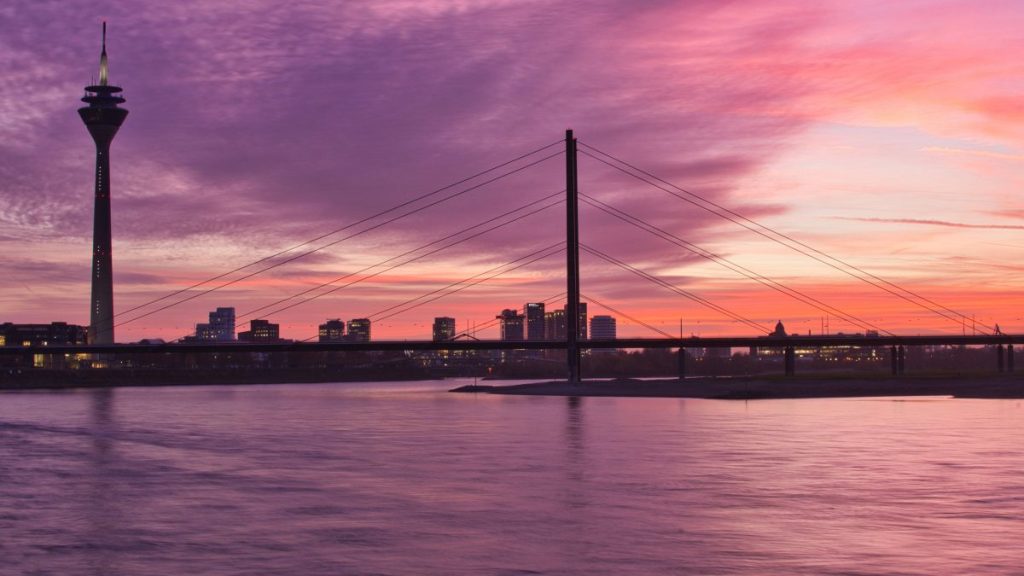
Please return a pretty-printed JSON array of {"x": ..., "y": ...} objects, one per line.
[{"x": 888, "y": 135}]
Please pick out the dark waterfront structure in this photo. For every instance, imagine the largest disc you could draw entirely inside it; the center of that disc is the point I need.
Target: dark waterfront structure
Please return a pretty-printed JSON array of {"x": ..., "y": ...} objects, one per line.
[
  {"x": 102, "y": 117},
  {"x": 52, "y": 334}
]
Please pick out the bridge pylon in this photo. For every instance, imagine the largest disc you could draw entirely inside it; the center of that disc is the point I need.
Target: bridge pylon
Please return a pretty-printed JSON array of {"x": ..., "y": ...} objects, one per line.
[{"x": 572, "y": 264}]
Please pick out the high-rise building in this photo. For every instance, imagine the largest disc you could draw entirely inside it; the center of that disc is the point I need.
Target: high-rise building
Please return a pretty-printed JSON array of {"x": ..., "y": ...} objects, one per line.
[
  {"x": 511, "y": 325},
  {"x": 582, "y": 322},
  {"x": 332, "y": 331},
  {"x": 102, "y": 117},
  {"x": 359, "y": 330},
  {"x": 261, "y": 331},
  {"x": 444, "y": 329},
  {"x": 534, "y": 312},
  {"x": 602, "y": 328},
  {"x": 554, "y": 325},
  {"x": 220, "y": 328}
]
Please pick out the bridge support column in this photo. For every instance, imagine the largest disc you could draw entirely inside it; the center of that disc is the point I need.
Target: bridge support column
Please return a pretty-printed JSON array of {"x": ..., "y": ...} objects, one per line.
[
  {"x": 572, "y": 266},
  {"x": 1009, "y": 358},
  {"x": 894, "y": 360},
  {"x": 682, "y": 363},
  {"x": 790, "y": 361},
  {"x": 1000, "y": 365},
  {"x": 902, "y": 364}
]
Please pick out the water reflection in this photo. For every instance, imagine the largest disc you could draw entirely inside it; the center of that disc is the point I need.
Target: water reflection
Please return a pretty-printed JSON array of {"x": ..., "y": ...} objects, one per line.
[{"x": 103, "y": 514}]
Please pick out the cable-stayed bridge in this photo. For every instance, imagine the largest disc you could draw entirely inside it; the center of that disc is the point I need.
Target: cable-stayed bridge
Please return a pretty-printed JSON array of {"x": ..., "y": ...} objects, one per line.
[{"x": 569, "y": 198}]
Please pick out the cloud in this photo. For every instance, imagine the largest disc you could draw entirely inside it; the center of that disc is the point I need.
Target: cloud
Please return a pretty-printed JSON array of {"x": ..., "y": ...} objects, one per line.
[
  {"x": 256, "y": 125},
  {"x": 943, "y": 223}
]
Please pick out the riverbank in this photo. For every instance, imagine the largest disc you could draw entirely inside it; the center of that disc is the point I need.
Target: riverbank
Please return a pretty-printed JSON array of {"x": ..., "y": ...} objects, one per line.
[{"x": 768, "y": 387}]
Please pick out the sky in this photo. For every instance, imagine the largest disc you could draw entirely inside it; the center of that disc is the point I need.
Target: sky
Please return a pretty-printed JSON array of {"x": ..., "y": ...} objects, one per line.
[{"x": 888, "y": 135}]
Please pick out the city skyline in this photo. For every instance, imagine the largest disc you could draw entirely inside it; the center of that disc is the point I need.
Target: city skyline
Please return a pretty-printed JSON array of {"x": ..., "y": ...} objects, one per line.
[{"x": 895, "y": 149}]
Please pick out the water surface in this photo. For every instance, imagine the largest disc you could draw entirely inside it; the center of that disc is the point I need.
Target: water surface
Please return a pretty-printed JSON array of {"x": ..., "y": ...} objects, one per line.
[{"x": 400, "y": 478}]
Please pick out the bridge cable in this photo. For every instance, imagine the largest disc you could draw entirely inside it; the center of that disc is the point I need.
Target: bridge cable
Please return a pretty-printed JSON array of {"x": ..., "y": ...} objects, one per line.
[
  {"x": 627, "y": 316},
  {"x": 343, "y": 228},
  {"x": 494, "y": 272},
  {"x": 495, "y": 321},
  {"x": 726, "y": 263},
  {"x": 698, "y": 299},
  {"x": 407, "y": 253},
  {"x": 335, "y": 242},
  {"x": 529, "y": 259},
  {"x": 764, "y": 231}
]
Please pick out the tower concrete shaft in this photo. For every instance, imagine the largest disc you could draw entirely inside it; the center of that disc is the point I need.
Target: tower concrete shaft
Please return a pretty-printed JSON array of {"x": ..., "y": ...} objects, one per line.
[{"x": 102, "y": 117}]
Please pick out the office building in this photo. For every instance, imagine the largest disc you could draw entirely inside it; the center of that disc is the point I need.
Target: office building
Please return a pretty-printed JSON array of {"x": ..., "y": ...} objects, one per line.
[
  {"x": 261, "y": 332},
  {"x": 444, "y": 329},
  {"x": 511, "y": 325},
  {"x": 534, "y": 313},
  {"x": 359, "y": 330},
  {"x": 220, "y": 328},
  {"x": 554, "y": 325},
  {"x": 602, "y": 328},
  {"x": 582, "y": 321},
  {"x": 52, "y": 334},
  {"x": 332, "y": 331}
]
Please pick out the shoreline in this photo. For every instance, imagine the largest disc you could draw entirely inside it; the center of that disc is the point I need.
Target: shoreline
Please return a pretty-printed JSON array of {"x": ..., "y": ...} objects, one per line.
[{"x": 1002, "y": 386}]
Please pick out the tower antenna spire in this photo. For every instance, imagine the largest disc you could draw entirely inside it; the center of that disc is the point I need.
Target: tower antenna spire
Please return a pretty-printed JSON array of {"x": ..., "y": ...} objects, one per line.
[{"x": 103, "y": 57}]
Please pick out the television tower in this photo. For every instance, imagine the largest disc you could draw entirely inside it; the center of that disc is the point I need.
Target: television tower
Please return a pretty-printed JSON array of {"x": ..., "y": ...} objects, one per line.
[{"x": 102, "y": 117}]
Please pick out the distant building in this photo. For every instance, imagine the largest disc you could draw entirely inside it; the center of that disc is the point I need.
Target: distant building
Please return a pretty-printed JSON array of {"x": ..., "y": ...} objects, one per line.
[
  {"x": 581, "y": 322},
  {"x": 444, "y": 329},
  {"x": 511, "y": 325},
  {"x": 359, "y": 330},
  {"x": 261, "y": 332},
  {"x": 52, "y": 334},
  {"x": 534, "y": 312},
  {"x": 332, "y": 331},
  {"x": 220, "y": 328},
  {"x": 554, "y": 325},
  {"x": 602, "y": 328},
  {"x": 780, "y": 331},
  {"x": 763, "y": 351}
]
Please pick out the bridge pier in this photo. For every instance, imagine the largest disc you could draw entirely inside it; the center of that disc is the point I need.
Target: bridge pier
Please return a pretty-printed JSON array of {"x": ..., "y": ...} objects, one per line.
[
  {"x": 902, "y": 359},
  {"x": 682, "y": 363},
  {"x": 572, "y": 265},
  {"x": 790, "y": 361},
  {"x": 1009, "y": 358},
  {"x": 894, "y": 360},
  {"x": 1000, "y": 364}
]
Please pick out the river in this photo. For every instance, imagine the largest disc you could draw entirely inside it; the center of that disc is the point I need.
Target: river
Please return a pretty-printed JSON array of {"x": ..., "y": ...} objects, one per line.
[{"x": 405, "y": 478}]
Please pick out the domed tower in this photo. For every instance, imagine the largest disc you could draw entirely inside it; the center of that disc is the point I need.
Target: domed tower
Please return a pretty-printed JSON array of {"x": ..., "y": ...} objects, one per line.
[{"x": 102, "y": 117}]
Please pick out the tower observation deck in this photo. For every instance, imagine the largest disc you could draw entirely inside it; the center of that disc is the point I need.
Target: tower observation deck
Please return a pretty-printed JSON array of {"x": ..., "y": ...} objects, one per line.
[{"x": 102, "y": 117}]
